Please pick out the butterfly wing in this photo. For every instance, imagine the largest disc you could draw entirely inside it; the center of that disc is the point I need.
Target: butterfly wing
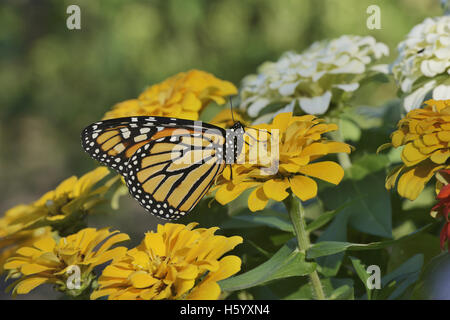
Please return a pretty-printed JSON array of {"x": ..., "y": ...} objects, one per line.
[
  {"x": 170, "y": 175},
  {"x": 169, "y": 164}
]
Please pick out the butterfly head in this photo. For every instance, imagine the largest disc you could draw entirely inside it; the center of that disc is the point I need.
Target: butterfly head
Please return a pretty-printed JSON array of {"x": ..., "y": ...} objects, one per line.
[
  {"x": 237, "y": 126},
  {"x": 234, "y": 142}
]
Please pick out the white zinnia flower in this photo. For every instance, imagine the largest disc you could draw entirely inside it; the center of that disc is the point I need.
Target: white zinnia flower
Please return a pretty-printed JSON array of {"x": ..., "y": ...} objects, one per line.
[
  {"x": 327, "y": 69},
  {"x": 423, "y": 63}
]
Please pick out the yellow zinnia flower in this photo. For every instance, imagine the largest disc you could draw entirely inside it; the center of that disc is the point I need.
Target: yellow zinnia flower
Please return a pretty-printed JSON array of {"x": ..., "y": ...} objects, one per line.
[
  {"x": 183, "y": 95},
  {"x": 10, "y": 243},
  {"x": 73, "y": 195},
  {"x": 225, "y": 119},
  {"x": 300, "y": 144},
  {"x": 176, "y": 262},
  {"x": 425, "y": 135},
  {"x": 48, "y": 261}
]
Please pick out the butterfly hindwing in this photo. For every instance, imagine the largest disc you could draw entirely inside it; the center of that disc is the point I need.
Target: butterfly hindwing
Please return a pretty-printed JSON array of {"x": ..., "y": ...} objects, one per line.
[{"x": 168, "y": 177}]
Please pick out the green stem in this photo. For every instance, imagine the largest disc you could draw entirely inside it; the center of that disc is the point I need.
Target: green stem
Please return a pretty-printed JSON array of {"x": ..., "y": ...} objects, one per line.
[{"x": 297, "y": 215}]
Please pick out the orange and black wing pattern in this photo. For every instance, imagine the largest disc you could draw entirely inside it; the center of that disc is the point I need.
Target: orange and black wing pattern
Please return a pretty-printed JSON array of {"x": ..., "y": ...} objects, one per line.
[{"x": 169, "y": 164}]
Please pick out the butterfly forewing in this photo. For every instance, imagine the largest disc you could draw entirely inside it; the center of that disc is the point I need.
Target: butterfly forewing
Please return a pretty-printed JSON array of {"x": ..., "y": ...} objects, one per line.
[{"x": 169, "y": 164}]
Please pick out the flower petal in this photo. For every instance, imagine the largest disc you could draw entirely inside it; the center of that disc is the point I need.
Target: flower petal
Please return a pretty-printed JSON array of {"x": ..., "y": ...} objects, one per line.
[
  {"x": 257, "y": 200},
  {"x": 303, "y": 187},
  {"x": 326, "y": 170},
  {"x": 276, "y": 189}
]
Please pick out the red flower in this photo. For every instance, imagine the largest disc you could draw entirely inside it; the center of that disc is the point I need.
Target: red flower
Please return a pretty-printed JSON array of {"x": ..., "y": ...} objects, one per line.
[
  {"x": 445, "y": 235},
  {"x": 443, "y": 208}
]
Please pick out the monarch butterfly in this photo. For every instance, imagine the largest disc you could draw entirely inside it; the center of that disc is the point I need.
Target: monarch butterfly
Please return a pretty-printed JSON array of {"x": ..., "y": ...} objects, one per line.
[{"x": 168, "y": 164}]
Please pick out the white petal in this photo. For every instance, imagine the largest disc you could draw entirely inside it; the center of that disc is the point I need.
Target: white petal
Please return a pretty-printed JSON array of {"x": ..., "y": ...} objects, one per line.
[
  {"x": 353, "y": 66},
  {"x": 381, "y": 50},
  {"x": 415, "y": 99},
  {"x": 267, "y": 118},
  {"x": 257, "y": 106},
  {"x": 348, "y": 87},
  {"x": 441, "y": 92},
  {"x": 443, "y": 53},
  {"x": 288, "y": 108},
  {"x": 316, "y": 105},
  {"x": 381, "y": 68},
  {"x": 430, "y": 68},
  {"x": 288, "y": 88}
]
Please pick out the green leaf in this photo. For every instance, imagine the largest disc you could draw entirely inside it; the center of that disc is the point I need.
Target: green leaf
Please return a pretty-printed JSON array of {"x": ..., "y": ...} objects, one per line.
[
  {"x": 433, "y": 282},
  {"x": 360, "y": 269},
  {"x": 397, "y": 282},
  {"x": 344, "y": 292},
  {"x": 323, "y": 219},
  {"x": 326, "y": 248},
  {"x": 334, "y": 289},
  {"x": 286, "y": 262},
  {"x": 371, "y": 210},
  {"x": 337, "y": 230},
  {"x": 367, "y": 164},
  {"x": 269, "y": 218}
]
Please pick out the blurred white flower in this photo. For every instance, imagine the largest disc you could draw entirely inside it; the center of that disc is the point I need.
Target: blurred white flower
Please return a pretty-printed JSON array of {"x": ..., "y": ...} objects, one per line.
[
  {"x": 423, "y": 63},
  {"x": 326, "y": 70}
]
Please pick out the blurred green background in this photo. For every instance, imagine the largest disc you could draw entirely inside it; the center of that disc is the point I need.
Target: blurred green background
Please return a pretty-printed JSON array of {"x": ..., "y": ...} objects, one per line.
[{"x": 55, "y": 81}]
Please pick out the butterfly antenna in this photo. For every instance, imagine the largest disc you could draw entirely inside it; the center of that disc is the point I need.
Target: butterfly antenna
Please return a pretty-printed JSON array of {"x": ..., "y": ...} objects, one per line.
[{"x": 231, "y": 110}]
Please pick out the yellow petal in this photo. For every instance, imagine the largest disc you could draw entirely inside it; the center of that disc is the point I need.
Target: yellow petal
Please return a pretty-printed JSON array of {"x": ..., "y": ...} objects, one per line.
[
  {"x": 430, "y": 139},
  {"x": 112, "y": 241},
  {"x": 183, "y": 286},
  {"x": 112, "y": 254},
  {"x": 141, "y": 279},
  {"x": 155, "y": 241},
  {"x": 229, "y": 192},
  {"x": 289, "y": 167},
  {"x": 392, "y": 176},
  {"x": 87, "y": 181},
  {"x": 46, "y": 243},
  {"x": 14, "y": 263},
  {"x": 300, "y": 161},
  {"x": 412, "y": 182},
  {"x": 315, "y": 149},
  {"x": 28, "y": 252},
  {"x": 112, "y": 271},
  {"x": 257, "y": 200},
  {"x": 411, "y": 155},
  {"x": 229, "y": 266},
  {"x": 25, "y": 286},
  {"x": 303, "y": 187},
  {"x": 444, "y": 136},
  {"x": 33, "y": 268},
  {"x": 326, "y": 170},
  {"x": 191, "y": 102},
  {"x": 440, "y": 156},
  {"x": 276, "y": 189},
  {"x": 102, "y": 292},
  {"x": 338, "y": 147},
  {"x": 397, "y": 138},
  {"x": 188, "y": 273},
  {"x": 281, "y": 121},
  {"x": 207, "y": 291}
]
